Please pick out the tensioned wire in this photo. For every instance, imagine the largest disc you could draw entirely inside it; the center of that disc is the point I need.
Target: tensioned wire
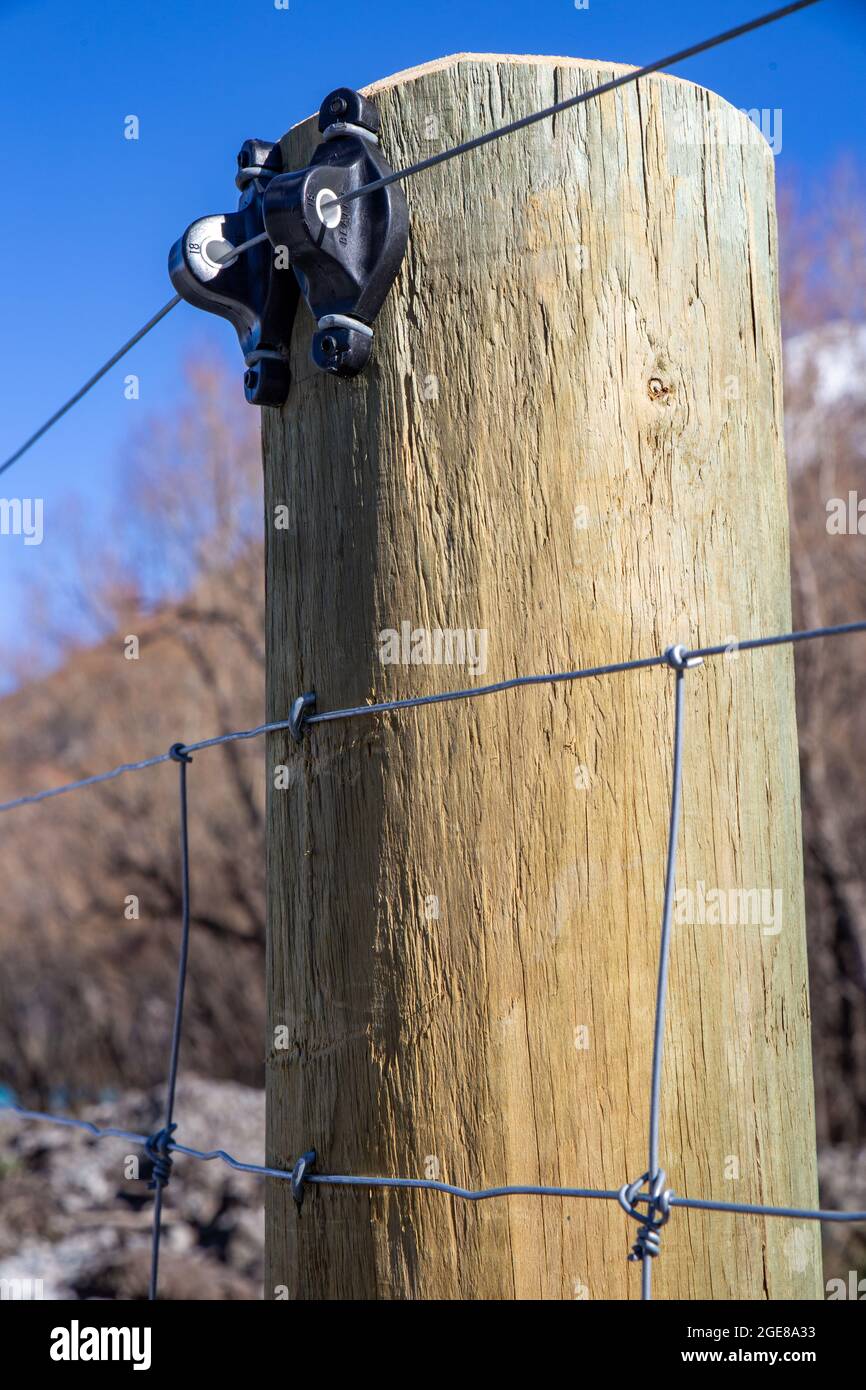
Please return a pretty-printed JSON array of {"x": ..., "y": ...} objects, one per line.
[
  {"x": 411, "y": 170},
  {"x": 420, "y": 701},
  {"x": 468, "y": 1194}
]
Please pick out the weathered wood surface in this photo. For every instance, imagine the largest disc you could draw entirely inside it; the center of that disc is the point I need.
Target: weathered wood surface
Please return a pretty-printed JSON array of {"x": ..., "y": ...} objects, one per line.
[{"x": 570, "y": 437}]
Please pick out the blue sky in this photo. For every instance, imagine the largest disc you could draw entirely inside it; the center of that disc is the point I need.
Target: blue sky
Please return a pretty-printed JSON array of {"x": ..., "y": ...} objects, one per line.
[{"x": 90, "y": 215}]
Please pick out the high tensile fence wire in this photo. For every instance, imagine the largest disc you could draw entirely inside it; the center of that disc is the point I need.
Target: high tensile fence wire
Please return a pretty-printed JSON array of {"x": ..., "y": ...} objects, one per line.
[
  {"x": 647, "y": 1200},
  {"x": 547, "y": 112},
  {"x": 411, "y": 170},
  {"x": 116, "y": 357}
]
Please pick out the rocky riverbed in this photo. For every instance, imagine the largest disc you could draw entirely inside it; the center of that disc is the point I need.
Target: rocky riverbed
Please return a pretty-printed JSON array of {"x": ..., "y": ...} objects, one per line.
[
  {"x": 75, "y": 1212},
  {"x": 75, "y": 1219}
]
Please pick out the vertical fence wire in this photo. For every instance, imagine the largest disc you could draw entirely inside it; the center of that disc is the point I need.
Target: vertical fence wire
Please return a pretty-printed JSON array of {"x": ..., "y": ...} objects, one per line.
[
  {"x": 652, "y": 1207},
  {"x": 159, "y": 1146}
]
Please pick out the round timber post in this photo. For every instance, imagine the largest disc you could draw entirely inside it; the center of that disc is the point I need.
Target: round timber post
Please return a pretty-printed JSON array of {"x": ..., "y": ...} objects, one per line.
[{"x": 567, "y": 450}]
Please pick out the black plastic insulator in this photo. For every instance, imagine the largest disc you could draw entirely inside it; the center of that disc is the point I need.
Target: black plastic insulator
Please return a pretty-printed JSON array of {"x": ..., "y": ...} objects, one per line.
[
  {"x": 258, "y": 154},
  {"x": 345, "y": 256},
  {"x": 344, "y": 104},
  {"x": 267, "y": 381},
  {"x": 256, "y": 295},
  {"x": 342, "y": 351}
]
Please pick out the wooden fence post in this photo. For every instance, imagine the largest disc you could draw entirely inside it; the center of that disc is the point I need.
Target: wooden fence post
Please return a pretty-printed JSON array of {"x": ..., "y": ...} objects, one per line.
[{"x": 567, "y": 450}]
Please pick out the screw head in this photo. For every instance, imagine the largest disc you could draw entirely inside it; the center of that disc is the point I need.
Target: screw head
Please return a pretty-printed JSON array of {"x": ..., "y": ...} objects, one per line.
[
  {"x": 329, "y": 346},
  {"x": 339, "y": 106}
]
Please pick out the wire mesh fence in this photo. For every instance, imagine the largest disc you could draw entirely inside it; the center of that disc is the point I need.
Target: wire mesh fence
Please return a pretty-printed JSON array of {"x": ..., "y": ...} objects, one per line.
[{"x": 647, "y": 1199}]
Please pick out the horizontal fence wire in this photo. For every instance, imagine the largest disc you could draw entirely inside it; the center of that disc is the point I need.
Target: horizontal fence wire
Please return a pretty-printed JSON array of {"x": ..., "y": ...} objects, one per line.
[
  {"x": 729, "y": 649},
  {"x": 647, "y": 1200},
  {"x": 466, "y": 1194}
]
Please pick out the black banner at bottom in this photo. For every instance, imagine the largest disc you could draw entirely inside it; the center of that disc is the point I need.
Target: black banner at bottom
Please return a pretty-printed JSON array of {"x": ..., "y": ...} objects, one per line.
[{"x": 260, "y": 1341}]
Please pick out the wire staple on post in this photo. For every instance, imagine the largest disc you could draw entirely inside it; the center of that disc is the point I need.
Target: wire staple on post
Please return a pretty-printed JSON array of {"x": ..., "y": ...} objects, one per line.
[
  {"x": 300, "y": 1173},
  {"x": 680, "y": 660},
  {"x": 301, "y": 710}
]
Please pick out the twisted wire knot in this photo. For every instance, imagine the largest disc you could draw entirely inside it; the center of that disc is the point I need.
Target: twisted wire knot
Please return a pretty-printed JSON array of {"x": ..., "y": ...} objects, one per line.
[
  {"x": 647, "y": 1243},
  {"x": 158, "y": 1151}
]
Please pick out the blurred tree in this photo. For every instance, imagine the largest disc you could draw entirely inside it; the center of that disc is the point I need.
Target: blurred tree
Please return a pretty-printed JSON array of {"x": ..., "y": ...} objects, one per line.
[
  {"x": 823, "y": 308},
  {"x": 89, "y": 942}
]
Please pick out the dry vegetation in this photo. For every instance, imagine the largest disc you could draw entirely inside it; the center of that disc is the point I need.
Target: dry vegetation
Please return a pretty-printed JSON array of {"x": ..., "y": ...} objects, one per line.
[
  {"x": 824, "y": 309},
  {"x": 85, "y": 988},
  {"x": 824, "y": 303}
]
